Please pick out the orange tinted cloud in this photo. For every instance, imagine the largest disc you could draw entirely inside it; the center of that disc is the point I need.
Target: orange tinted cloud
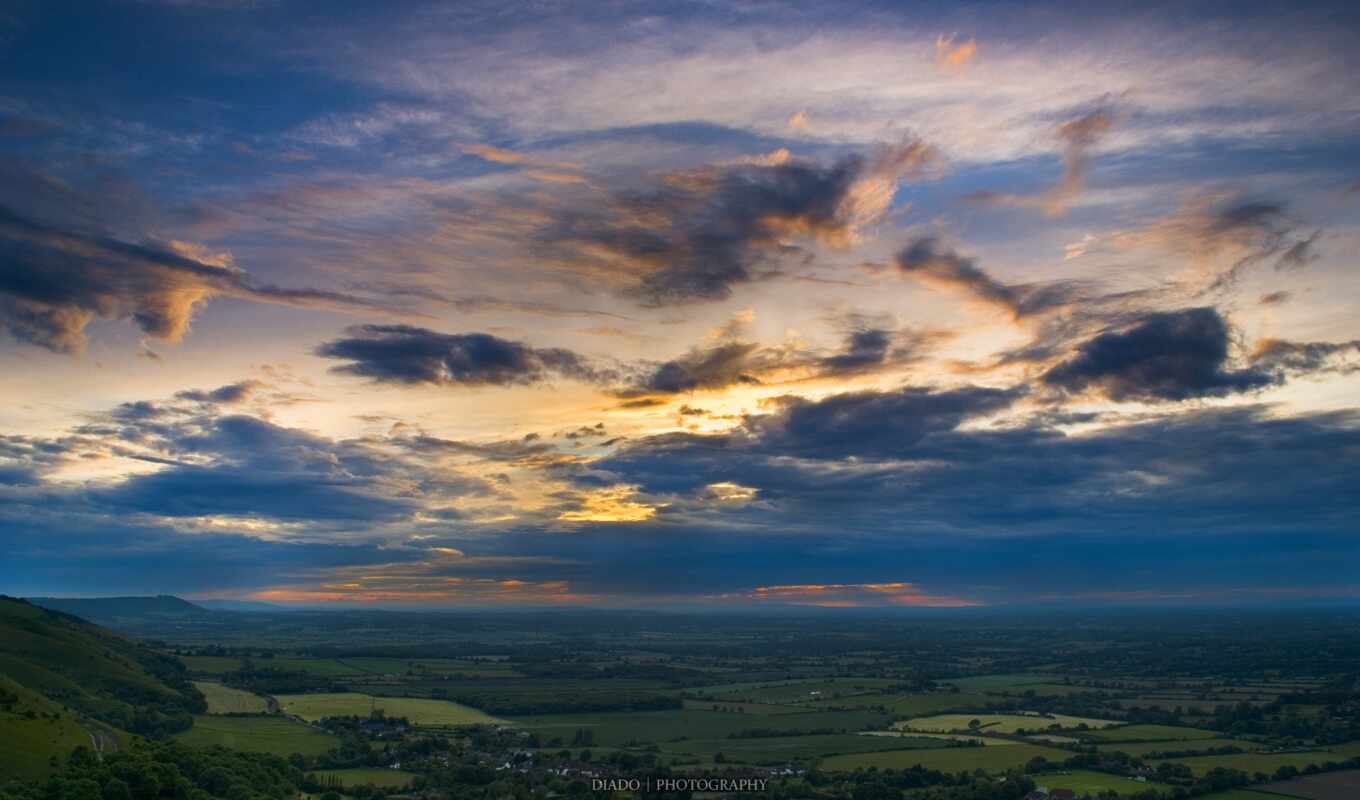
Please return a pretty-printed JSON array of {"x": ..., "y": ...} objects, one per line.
[
  {"x": 950, "y": 53},
  {"x": 854, "y": 595}
]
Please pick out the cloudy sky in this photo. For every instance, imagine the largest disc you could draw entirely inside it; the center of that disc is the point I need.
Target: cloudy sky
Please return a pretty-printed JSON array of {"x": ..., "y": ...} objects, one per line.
[{"x": 732, "y": 305}]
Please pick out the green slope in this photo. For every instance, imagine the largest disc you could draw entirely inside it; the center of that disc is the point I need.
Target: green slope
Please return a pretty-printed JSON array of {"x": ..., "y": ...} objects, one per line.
[
  {"x": 94, "y": 672},
  {"x": 33, "y": 730},
  {"x": 111, "y": 608}
]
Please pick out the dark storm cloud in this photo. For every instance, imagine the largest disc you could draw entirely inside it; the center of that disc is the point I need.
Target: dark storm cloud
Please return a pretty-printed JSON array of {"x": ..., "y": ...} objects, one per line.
[
  {"x": 235, "y": 465},
  {"x": 926, "y": 260},
  {"x": 409, "y": 355},
  {"x": 705, "y": 231},
  {"x": 872, "y": 424},
  {"x": 54, "y": 282},
  {"x": 1214, "y": 472},
  {"x": 1176, "y": 355}
]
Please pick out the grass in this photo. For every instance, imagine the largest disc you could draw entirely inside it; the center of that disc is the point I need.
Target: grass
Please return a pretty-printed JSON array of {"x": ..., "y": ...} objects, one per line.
[
  {"x": 621, "y": 728},
  {"x": 276, "y": 735},
  {"x": 419, "y": 711},
  {"x": 783, "y": 749},
  {"x": 1150, "y": 733},
  {"x": 364, "y": 776},
  {"x": 1252, "y": 763},
  {"x": 1239, "y": 794},
  {"x": 985, "y": 741},
  {"x": 1143, "y": 748},
  {"x": 998, "y": 723},
  {"x": 914, "y": 704},
  {"x": 211, "y": 665},
  {"x": 742, "y": 708},
  {"x": 819, "y": 691},
  {"x": 1008, "y": 682},
  {"x": 952, "y": 759},
  {"x": 1087, "y": 782},
  {"x": 26, "y": 745},
  {"x": 225, "y": 700}
]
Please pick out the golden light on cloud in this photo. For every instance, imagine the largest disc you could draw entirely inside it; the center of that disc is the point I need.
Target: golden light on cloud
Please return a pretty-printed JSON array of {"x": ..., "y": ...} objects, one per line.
[
  {"x": 854, "y": 595},
  {"x": 612, "y": 504},
  {"x": 728, "y": 492}
]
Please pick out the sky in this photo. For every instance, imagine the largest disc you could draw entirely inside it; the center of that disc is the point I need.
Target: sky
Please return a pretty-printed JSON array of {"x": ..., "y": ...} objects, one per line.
[{"x": 705, "y": 305}]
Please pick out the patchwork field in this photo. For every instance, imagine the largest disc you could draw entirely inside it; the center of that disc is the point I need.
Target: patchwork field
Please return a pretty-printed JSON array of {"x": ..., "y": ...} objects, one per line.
[
  {"x": 998, "y": 723},
  {"x": 985, "y": 741},
  {"x": 984, "y": 683},
  {"x": 368, "y": 776},
  {"x": 798, "y": 691},
  {"x": 1086, "y": 782},
  {"x": 1343, "y": 785},
  {"x": 226, "y": 700},
  {"x": 1192, "y": 745},
  {"x": 211, "y": 665},
  {"x": 276, "y": 735},
  {"x": 1150, "y": 733},
  {"x": 1266, "y": 763},
  {"x": 782, "y": 749},
  {"x": 312, "y": 707},
  {"x": 916, "y": 704},
  {"x": 951, "y": 759},
  {"x": 620, "y": 728}
]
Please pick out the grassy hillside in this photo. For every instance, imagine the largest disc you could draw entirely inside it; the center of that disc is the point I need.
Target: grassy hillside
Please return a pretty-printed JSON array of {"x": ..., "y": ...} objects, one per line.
[
  {"x": 113, "y": 607},
  {"x": 33, "y": 729},
  {"x": 94, "y": 672}
]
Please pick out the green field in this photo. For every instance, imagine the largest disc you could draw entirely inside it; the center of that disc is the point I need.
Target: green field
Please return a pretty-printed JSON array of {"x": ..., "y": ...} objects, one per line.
[
  {"x": 419, "y": 711},
  {"x": 376, "y": 776},
  {"x": 1150, "y": 733},
  {"x": 1143, "y": 748},
  {"x": 620, "y": 728},
  {"x": 997, "y": 723},
  {"x": 211, "y": 665},
  {"x": 815, "y": 691},
  {"x": 275, "y": 735},
  {"x": 1009, "y": 682},
  {"x": 225, "y": 700},
  {"x": 781, "y": 749},
  {"x": 1086, "y": 782},
  {"x": 985, "y": 741},
  {"x": 951, "y": 759},
  {"x": 1241, "y": 794},
  {"x": 1267, "y": 763},
  {"x": 915, "y": 704},
  {"x": 742, "y": 708}
]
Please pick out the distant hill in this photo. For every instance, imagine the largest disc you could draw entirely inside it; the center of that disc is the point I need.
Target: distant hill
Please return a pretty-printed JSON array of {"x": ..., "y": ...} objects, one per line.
[
  {"x": 107, "y": 608},
  {"x": 80, "y": 681},
  {"x": 255, "y": 606}
]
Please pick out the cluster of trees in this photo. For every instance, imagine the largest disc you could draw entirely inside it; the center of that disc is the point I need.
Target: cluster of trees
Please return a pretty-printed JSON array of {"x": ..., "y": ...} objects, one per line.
[
  {"x": 515, "y": 701},
  {"x": 155, "y": 770},
  {"x": 276, "y": 680}
]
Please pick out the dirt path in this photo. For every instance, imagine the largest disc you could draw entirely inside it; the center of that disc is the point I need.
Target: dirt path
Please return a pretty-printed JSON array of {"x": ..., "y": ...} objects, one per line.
[{"x": 101, "y": 742}]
